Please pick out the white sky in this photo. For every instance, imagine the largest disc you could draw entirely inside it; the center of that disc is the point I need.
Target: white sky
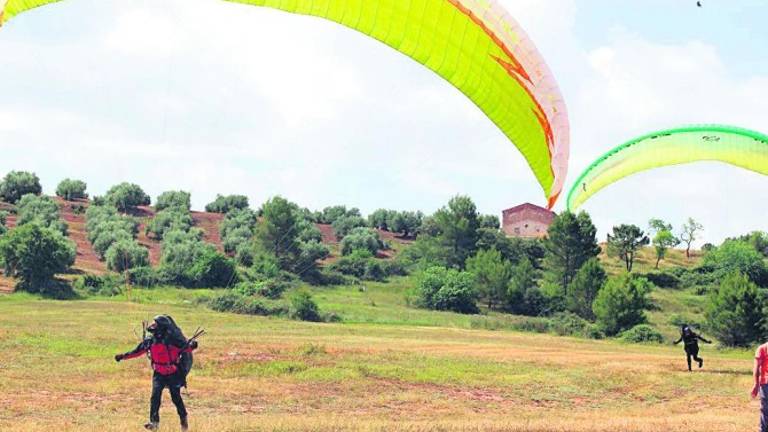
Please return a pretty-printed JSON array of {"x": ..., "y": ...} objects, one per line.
[{"x": 213, "y": 97}]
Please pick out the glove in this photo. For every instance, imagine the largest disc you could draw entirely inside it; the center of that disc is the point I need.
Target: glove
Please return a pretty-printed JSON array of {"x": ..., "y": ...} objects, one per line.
[
  {"x": 193, "y": 345},
  {"x": 119, "y": 357}
]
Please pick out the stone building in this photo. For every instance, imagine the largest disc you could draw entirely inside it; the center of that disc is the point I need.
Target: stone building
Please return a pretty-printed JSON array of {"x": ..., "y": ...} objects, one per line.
[{"x": 526, "y": 220}]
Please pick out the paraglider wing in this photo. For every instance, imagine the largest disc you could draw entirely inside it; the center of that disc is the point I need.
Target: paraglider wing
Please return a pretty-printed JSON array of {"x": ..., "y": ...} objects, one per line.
[
  {"x": 476, "y": 46},
  {"x": 739, "y": 147},
  {"x": 11, "y": 8}
]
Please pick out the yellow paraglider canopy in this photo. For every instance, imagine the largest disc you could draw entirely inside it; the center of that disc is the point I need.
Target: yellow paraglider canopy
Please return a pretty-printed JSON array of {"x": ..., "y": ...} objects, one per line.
[{"x": 473, "y": 44}]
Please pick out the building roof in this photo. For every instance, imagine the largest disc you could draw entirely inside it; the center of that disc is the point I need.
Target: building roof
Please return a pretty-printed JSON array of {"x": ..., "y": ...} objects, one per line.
[{"x": 528, "y": 206}]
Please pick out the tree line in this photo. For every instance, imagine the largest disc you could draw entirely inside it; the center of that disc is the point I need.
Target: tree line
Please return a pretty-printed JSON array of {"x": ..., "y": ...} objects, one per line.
[{"x": 461, "y": 259}]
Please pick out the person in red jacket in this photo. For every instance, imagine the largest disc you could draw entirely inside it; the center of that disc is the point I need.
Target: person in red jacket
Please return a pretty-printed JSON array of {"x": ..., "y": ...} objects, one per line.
[{"x": 165, "y": 347}]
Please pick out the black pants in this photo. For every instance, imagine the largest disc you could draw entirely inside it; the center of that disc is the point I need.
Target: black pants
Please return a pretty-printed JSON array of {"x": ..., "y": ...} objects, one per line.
[
  {"x": 174, "y": 383},
  {"x": 692, "y": 351}
]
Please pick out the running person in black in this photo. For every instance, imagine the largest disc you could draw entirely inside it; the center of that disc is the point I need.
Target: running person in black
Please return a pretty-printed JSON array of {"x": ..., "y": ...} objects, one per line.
[{"x": 691, "y": 340}]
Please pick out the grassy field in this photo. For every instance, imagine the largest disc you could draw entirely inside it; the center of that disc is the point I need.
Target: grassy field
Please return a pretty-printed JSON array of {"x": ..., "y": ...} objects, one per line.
[{"x": 388, "y": 368}]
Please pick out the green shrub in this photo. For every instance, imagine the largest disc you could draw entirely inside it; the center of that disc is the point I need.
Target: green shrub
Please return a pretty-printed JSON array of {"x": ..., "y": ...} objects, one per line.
[
  {"x": 35, "y": 254},
  {"x": 100, "y": 219},
  {"x": 594, "y": 332},
  {"x": 265, "y": 266},
  {"x": 700, "y": 278},
  {"x": 309, "y": 254},
  {"x": 570, "y": 324},
  {"x": 735, "y": 313},
  {"x": 331, "y": 214},
  {"x": 145, "y": 277},
  {"x": 360, "y": 264},
  {"x": 621, "y": 304},
  {"x": 106, "y": 238},
  {"x": 42, "y": 210},
  {"x": 663, "y": 279},
  {"x": 440, "y": 288},
  {"x": 126, "y": 196},
  {"x": 329, "y": 276},
  {"x": 245, "y": 255},
  {"x": 237, "y": 239},
  {"x": 304, "y": 308},
  {"x": 524, "y": 296},
  {"x": 364, "y": 239},
  {"x": 271, "y": 288},
  {"x": 170, "y": 219},
  {"x": 212, "y": 269},
  {"x": 237, "y": 229},
  {"x": 534, "y": 325},
  {"x": 562, "y": 324},
  {"x": 642, "y": 333},
  {"x": 382, "y": 219},
  {"x": 126, "y": 254},
  {"x": 344, "y": 225},
  {"x": 237, "y": 303},
  {"x": 583, "y": 290},
  {"x": 394, "y": 267},
  {"x": 108, "y": 285},
  {"x": 225, "y": 204},
  {"x": 174, "y": 199},
  {"x": 179, "y": 252},
  {"x": 492, "y": 275},
  {"x": 738, "y": 256},
  {"x": 16, "y": 184},
  {"x": 71, "y": 189}
]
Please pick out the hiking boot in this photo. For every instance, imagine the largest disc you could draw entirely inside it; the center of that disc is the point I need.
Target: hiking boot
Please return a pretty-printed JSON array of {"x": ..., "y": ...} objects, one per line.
[
  {"x": 184, "y": 424},
  {"x": 701, "y": 363},
  {"x": 152, "y": 426}
]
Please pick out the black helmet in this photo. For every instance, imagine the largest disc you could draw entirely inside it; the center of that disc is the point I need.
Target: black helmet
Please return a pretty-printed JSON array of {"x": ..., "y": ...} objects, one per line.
[
  {"x": 160, "y": 324},
  {"x": 165, "y": 327},
  {"x": 162, "y": 321}
]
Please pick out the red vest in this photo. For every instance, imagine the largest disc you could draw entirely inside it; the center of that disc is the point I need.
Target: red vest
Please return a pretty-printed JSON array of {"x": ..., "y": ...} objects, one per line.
[{"x": 165, "y": 358}]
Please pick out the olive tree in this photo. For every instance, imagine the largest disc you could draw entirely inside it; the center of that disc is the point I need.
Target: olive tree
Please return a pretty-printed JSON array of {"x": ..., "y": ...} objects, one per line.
[
  {"x": 125, "y": 255},
  {"x": 40, "y": 209},
  {"x": 225, "y": 204},
  {"x": 16, "y": 184},
  {"x": 126, "y": 196},
  {"x": 35, "y": 254},
  {"x": 70, "y": 189},
  {"x": 173, "y": 199}
]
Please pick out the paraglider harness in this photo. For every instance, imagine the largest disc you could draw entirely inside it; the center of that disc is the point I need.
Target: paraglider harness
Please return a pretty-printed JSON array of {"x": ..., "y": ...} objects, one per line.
[{"x": 185, "y": 359}]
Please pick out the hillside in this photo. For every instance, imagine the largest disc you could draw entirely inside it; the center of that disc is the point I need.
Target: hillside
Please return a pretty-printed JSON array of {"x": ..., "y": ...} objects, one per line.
[
  {"x": 645, "y": 261},
  {"x": 86, "y": 261}
]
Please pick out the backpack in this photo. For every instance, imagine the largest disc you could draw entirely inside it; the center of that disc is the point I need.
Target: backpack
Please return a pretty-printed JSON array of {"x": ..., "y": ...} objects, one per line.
[{"x": 185, "y": 365}]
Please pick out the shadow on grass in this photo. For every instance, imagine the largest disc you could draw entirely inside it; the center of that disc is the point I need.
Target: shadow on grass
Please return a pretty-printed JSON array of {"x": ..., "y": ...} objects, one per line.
[
  {"x": 745, "y": 372},
  {"x": 56, "y": 289}
]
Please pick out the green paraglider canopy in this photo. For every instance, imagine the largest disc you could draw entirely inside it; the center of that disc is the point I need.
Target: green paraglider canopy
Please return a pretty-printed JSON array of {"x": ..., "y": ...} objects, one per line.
[{"x": 736, "y": 146}]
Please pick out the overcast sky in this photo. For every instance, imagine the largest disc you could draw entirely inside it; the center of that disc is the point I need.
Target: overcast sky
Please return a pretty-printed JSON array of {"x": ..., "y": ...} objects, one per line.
[{"x": 214, "y": 97}]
